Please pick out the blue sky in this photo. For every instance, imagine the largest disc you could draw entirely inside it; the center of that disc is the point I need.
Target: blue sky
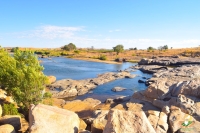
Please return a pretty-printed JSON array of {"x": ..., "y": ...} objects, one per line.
[{"x": 100, "y": 23}]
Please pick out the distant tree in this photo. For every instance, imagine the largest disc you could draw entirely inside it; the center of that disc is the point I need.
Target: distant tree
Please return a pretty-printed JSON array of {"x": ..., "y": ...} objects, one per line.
[
  {"x": 119, "y": 48},
  {"x": 165, "y": 47},
  {"x": 133, "y": 48},
  {"x": 69, "y": 47},
  {"x": 13, "y": 49},
  {"x": 160, "y": 48},
  {"x": 150, "y": 48}
]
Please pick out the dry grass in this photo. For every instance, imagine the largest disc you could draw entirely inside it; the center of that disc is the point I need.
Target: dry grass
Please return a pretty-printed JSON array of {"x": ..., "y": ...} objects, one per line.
[{"x": 130, "y": 55}]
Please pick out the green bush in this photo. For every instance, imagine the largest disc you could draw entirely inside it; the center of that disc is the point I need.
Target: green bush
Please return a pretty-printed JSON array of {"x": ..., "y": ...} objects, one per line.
[
  {"x": 22, "y": 76},
  {"x": 76, "y": 51},
  {"x": 103, "y": 57},
  {"x": 9, "y": 109}
]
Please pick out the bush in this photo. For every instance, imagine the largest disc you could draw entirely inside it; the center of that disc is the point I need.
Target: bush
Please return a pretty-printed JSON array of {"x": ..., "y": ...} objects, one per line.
[
  {"x": 9, "y": 109},
  {"x": 76, "y": 51},
  {"x": 103, "y": 57},
  {"x": 22, "y": 77}
]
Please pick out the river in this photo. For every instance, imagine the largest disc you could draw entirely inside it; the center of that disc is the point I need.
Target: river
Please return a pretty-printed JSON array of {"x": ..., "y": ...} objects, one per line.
[{"x": 65, "y": 68}]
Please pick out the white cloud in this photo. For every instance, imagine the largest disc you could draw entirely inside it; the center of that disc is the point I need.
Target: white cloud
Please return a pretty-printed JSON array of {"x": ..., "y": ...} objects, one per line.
[
  {"x": 51, "y": 32},
  {"x": 56, "y": 36}
]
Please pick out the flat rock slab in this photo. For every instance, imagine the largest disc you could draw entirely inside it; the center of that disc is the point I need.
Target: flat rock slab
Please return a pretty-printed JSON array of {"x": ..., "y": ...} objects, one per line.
[
  {"x": 169, "y": 61},
  {"x": 115, "y": 89},
  {"x": 69, "y": 88}
]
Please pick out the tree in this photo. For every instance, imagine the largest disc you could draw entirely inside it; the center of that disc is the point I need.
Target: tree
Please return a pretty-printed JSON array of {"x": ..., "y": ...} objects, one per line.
[
  {"x": 150, "y": 48},
  {"x": 21, "y": 76},
  {"x": 119, "y": 48},
  {"x": 165, "y": 47},
  {"x": 69, "y": 47}
]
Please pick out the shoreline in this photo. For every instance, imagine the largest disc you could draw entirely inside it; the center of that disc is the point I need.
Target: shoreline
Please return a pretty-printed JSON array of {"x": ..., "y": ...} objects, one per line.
[{"x": 97, "y": 60}]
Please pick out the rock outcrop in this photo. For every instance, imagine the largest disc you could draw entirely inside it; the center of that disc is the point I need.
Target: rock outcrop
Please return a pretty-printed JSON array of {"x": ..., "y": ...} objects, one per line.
[
  {"x": 14, "y": 120},
  {"x": 7, "y": 128},
  {"x": 45, "y": 119},
  {"x": 70, "y": 88},
  {"x": 169, "y": 61},
  {"x": 115, "y": 89},
  {"x": 176, "y": 92},
  {"x": 128, "y": 122}
]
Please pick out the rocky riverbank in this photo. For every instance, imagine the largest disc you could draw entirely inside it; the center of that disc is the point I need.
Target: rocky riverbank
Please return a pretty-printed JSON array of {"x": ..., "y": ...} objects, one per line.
[
  {"x": 69, "y": 88},
  {"x": 169, "y": 61},
  {"x": 171, "y": 103}
]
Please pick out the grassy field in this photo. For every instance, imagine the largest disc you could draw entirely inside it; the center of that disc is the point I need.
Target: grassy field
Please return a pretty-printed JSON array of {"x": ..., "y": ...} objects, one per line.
[{"x": 110, "y": 55}]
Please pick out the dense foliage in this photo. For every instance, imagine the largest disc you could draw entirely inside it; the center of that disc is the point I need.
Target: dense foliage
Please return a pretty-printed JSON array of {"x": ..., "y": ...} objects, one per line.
[
  {"x": 119, "y": 48},
  {"x": 9, "y": 109},
  {"x": 165, "y": 47},
  {"x": 22, "y": 77},
  {"x": 69, "y": 47},
  {"x": 103, "y": 57}
]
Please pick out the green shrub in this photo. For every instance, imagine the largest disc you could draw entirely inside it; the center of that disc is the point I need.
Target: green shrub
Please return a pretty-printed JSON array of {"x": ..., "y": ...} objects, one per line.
[
  {"x": 47, "y": 95},
  {"x": 76, "y": 51},
  {"x": 21, "y": 75},
  {"x": 9, "y": 109},
  {"x": 103, "y": 57}
]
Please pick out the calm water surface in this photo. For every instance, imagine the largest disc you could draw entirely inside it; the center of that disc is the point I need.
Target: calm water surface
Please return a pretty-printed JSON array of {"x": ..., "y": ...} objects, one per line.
[{"x": 63, "y": 68}]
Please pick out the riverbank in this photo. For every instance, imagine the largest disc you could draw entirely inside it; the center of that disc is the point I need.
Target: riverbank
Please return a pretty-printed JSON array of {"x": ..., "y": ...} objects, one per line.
[{"x": 97, "y": 60}]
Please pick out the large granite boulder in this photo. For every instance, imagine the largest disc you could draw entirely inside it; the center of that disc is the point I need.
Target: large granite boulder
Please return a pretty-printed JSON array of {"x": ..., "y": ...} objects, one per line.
[
  {"x": 14, "y": 120},
  {"x": 182, "y": 122},
  {"x": 127, "y": 122},
  {"x": 100, "y": 121},
  {"x": 7, "y": 128},
  {"x": 45, "y": 119}
]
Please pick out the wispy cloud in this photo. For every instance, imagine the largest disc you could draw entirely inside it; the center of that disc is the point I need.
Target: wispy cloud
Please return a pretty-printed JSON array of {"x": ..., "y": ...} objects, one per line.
[
  {"x": 116, "y": 30},
  {"x": 51, "y": 32}
]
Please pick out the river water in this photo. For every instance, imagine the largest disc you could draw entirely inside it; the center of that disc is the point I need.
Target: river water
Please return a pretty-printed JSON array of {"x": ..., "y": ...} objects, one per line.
[{"x": 65, "y": 68}]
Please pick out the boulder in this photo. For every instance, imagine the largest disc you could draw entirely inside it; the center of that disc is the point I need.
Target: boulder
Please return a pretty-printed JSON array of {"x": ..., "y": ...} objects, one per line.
[
  {"x": 152, "y": 68},
  {"x": 14, "y": 120},
  {"x": 153, "y": 117},
  {"x": 134, "y": 106},
  {"x": 44, "y": 118},
  {"x": 162, "y": 125},
  {"x": 7, "y": 128},
  {"x": 189, "y": 87},
  {"x": 115, "y": 89},
  {"x": 83, "y": 125},
  {"x": 182, "y": 122},
  {"x": 51, "y": 79},
  {"x": 100, "y": 121},
  {"x": 127, "y": 122}
]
